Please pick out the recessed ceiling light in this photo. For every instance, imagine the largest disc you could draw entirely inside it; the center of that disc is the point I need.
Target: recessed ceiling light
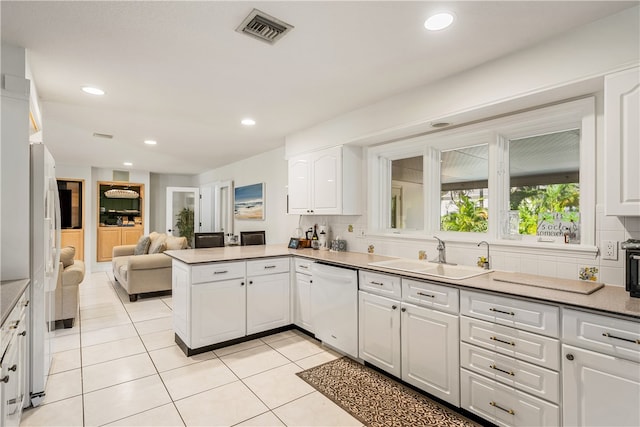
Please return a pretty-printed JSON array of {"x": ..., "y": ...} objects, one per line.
[
  {"x": 440, "y": 124},
  {"x": 439, "y": 21},
  {"x": 128, "y": 164},
  {"x": 92, "y": 90},
  {"x": 248, "y": 122},
  {"x": 150, "y": 142}
]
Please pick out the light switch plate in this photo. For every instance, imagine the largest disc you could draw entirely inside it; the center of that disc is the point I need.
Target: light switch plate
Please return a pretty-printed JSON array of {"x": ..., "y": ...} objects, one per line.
[{"x": 610, "y": 250}]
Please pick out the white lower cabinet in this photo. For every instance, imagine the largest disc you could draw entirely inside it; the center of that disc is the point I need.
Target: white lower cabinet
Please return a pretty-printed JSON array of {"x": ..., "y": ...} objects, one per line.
[
  {"x": 218, "y": 312},
  {"x": 379, "y": 332},
  {"x": 430, "y": 358},
  {"x": 417, "y": 344},
  {"x": 14, "y": 363},
  {"x": 510, "y": 360},
  {"x": 267, "y": 302},
  {"x": 599, "y": 389},
  {"x": 221, "y": 301},
  {"x": 301, "y": 289},
  {"x": 504, "y": 405},
  {"x": 600, "y": 370}
]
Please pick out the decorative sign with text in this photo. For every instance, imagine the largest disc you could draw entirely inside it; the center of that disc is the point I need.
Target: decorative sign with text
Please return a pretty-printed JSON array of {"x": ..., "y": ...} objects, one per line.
[{"x": 565, "y": 225}]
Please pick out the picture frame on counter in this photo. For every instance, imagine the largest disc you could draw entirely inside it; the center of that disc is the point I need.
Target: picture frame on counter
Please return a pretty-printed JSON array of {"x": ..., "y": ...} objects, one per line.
[{"x": 294, "y": 243}]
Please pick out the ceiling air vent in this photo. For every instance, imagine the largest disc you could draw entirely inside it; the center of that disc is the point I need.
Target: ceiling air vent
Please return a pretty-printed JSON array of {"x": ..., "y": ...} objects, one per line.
[{"x": 264, "y": 27}]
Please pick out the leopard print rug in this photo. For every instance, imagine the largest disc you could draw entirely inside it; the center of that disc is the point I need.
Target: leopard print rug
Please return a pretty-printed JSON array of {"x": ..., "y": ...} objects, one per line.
[{"x": 375, "y": 399}]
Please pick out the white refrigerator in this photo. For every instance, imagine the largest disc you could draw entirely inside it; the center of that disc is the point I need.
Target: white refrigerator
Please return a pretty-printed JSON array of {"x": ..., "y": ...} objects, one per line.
[{"x": 45, "y": 258}]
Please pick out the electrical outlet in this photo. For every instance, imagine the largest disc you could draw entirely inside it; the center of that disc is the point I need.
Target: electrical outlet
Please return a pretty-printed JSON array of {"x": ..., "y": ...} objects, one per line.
[
  {"x": 360, "y": 233},
  {"x": 610, "y": 250}
]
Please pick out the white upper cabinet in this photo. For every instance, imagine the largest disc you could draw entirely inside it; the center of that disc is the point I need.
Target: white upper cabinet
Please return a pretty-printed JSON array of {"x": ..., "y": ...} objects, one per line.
[
  {"x": 622, "y": 143},
  {"x": 325, "y": 182}
]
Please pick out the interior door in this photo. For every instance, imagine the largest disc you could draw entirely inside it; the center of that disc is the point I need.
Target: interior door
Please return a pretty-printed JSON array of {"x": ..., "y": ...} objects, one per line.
[{"x": 183, "y": 212}]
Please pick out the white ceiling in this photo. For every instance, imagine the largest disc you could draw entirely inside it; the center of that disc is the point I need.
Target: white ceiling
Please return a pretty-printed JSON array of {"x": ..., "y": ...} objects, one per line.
[{"x": 178, "y": 72}]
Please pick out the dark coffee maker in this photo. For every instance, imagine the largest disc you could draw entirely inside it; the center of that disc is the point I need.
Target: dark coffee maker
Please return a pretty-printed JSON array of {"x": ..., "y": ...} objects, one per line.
[{"x": 632, "y": 266}]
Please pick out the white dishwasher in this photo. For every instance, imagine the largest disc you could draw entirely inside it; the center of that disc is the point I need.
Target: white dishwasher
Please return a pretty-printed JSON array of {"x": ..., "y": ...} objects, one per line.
[{"x": 334, "y": 306}]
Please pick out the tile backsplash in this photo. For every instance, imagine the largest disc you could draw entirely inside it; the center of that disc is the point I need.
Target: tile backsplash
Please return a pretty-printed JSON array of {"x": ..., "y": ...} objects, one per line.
[{"x": 353, "y": 229}]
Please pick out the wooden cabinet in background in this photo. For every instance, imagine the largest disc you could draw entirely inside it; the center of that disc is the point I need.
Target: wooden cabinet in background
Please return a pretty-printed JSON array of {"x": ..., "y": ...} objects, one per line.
[
  {"x": 120, "y": 213},
  {"x": 108, "y": 237},
  {"x": 131, "y": 235},
  {"x": 73, "y": 238}
]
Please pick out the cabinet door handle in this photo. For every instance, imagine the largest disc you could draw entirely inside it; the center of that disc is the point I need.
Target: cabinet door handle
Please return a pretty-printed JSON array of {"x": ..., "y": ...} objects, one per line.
[
  {"x": 269, "y": 266},
  {"x": 608, "y": 335},
  {"x": 495, "y": 405},
  {"x": 23, "y": 333},
  {"x": 221, "y": 272},
  {"x": 376, "y": 283},
  {"x": 13, "y": 368},
  {"x": 4, "y": 379},
  {"x": 511, "y": 343},
  {"x": 241, "y": 283},
  {"x": 403, "y": 309},
  {"x": 394, "y": 307},
  {"x": 502, "y": 370},
  {"x": 26, "y": 303},
  {"x": 569, "y": 356},
  {"x": 510, "y": 313},
  {"x": 426, "y": 295},
  {"x": 251, "y": 282},
  {"x": 304, "y": 266}
]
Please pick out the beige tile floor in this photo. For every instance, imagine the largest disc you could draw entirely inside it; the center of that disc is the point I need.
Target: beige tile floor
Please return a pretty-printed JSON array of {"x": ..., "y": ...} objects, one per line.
[{"x": 119, "y": 366}]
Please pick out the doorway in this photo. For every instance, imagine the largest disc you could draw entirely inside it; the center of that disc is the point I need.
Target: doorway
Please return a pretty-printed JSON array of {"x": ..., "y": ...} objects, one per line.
[{"x": 183, "y": 212}]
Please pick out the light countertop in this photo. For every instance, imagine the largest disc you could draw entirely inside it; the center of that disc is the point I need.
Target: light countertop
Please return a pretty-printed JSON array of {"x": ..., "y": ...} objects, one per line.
[
  {"x": 610, "y": 299},
  {"x": 10, "y": 292}
]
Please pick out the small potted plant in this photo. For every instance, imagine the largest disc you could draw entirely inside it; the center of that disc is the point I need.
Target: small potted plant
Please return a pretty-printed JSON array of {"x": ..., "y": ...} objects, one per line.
[{"x": 185, "y": 224}]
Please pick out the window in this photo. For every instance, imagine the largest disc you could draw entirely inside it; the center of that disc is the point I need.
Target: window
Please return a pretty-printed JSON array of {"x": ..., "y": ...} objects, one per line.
[
  {"x": 464, "y": 189},
  {"x": 407, "y": 194},
  {"x": 527, "y": 176},
  {"x": 544, "y": 176}
]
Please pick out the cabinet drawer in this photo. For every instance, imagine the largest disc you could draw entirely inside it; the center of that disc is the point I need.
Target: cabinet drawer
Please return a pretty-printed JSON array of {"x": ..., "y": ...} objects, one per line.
[
  {"x": 260, "y": 267},
  {"x": 540, "y": 382},
  {"x": 512, "y": 342},
  {"x": 527, "y": 315},
  {"x": 430, "y": 295},
  {"x": 302, "y": 265},
  {"x": 609, "y": 335},
  {"x": 381, "y": 284},
  {"x": 217, "y": 271},
  {"x": 505, "y": 405}
]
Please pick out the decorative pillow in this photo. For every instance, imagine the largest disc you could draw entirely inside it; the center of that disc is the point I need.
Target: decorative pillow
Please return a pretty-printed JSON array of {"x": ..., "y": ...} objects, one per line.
[
  {"x": 158, "y": 249},
  {"x": 157, "y": 245},
  {"x": 175, "y": 243},
  {"x": 66, "y": 256},
  {"x": 142, "y": 246}
]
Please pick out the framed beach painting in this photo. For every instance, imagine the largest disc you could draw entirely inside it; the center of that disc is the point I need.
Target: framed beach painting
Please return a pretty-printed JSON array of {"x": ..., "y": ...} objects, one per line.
[{"x": 249, "y": 202}]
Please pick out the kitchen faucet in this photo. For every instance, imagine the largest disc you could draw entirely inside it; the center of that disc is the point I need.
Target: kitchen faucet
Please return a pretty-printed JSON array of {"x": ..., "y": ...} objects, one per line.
[
  {"x": 442, "y": 253},
  {"x": 485, "y": 264}
]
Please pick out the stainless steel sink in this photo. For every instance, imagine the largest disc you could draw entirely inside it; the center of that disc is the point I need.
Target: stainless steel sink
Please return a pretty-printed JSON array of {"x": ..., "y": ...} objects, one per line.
[{"x": 447, "y": 271}]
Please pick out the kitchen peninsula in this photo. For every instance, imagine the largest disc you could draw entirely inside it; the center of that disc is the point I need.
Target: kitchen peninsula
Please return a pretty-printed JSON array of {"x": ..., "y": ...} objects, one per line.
[{"x": 510, "y": 353}]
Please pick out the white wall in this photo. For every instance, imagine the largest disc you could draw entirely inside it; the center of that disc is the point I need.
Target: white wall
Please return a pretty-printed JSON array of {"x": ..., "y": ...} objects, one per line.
[
  {"x": 158, "y": 197},
  {"x": 14, "y": 166},
  {"x": 270, "y": 168},
  {"x": 552, "y": 70}
]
